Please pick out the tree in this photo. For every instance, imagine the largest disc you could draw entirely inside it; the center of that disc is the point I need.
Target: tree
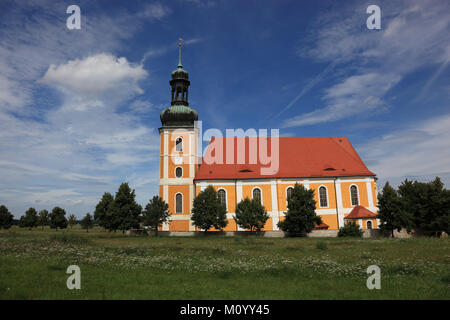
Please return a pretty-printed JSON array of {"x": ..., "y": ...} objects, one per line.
[
  {"x": 350, "y": 229},
  {"x": 156, "y": 213},
  {"x": 251, "y": 214},
  {"x": 391, "y": 212},
  {"x": 30, "y": 219},
  {"x": 125, "y": 211},
  {"x": 103, "y": 211},
  {"x": 428, "y": 204},
  {"x": 58, "y": 219},
  {"x": 6, "y": 218},
  {"x": 207, "y": 211},
  {"x": 301, "y": 215},
  {"x": 72, "y": 220},
  {"x": 43, "y": 219},
  {"x": 87, "y": 222}
]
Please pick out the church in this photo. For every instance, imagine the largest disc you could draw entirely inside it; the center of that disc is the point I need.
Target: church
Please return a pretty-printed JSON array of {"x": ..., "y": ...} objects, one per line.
[{"x": 344, "y": 188}]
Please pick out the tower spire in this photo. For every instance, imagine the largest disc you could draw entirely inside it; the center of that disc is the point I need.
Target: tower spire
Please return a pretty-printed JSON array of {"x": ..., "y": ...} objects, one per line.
[{"x": 179, "y": 52}]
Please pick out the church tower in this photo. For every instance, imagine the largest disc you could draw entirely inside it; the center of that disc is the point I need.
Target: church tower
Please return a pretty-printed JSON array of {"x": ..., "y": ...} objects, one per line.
[{"x": 178, "y": 152}]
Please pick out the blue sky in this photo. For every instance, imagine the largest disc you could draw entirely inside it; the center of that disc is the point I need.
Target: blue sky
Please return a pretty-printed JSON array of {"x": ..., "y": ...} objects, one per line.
[{"x": 79, "y": 109}]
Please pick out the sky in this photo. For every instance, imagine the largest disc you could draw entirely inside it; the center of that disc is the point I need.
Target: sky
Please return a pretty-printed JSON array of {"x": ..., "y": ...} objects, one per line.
[{"x": 79, "y": 109}]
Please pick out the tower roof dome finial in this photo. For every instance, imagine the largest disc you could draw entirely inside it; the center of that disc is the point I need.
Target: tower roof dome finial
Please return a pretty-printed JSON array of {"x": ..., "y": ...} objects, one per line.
[{"x": 179, "y": 52}]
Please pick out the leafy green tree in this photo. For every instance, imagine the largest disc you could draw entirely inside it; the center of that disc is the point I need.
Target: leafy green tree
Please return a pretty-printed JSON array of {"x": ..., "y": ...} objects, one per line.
[
  {"x": 156, "y": 212},
  {"x": 350, "y": 229},
  {"x": 251, "y": 214},
  {"x": 43, "y": 219},
  {"x": 391, "y": 212},
  {"x": 103, "y": 211},
  {"x": 72, "y": 220},
  {"x": 208, "y": 212},
  {"x": 6, "y": 218},
  {"x": 125, "y": 211},
  {"x": 301, "y": 215},
  {"x": 429, "y": 205},
  {"x": 30, "y": 219},
  {"x": 87, "y": 222},
  {"x": 58, "y": 218}
]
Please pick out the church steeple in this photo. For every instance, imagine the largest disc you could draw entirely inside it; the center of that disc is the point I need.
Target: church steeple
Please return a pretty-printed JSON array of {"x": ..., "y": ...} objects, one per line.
[
  {"x": 179, "y": 113},
  {"x": 180, "y": 83}
]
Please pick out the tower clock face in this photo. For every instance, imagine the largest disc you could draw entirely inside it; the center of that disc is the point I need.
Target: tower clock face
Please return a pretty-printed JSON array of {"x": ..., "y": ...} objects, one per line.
[{"x": 178, "y": 160}]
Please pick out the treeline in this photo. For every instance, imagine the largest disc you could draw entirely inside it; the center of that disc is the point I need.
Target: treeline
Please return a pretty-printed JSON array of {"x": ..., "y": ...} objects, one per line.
[
  {"x": 422, "y": 207},
  {"x": 56, "y": 219}
]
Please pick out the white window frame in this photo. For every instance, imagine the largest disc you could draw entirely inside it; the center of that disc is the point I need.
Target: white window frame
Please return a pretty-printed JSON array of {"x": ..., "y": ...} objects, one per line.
[
  {"x": 260, "y": 191},
  {"x": 182, "y": 203},
  {"x": 226, "y": 197},
  {"x": 328, "y": 198},
  {"x": 179, "y": 137},
  {"x": 357, "y": 193},
  {"x": 285, "y": 192},
  {"x": 175, "y": 172}
]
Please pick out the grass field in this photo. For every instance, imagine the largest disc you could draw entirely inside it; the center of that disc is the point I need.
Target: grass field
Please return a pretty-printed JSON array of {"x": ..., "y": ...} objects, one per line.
[{"x": 33, "y": 265}]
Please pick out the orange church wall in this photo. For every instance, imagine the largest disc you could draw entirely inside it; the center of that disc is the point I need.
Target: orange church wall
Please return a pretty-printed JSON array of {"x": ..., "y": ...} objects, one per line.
[
  {"x": 179, "y": 225},
  {"x": 330, "y": 192},
  {"x": 331, "y": 220},
  {"x": 362, "y": 192},
  {"x": 265, "y": 192},
  {"x": 160, "y": 191},
  {"x": 185, "y": 167},
  {"x": 184, "y": 190},
  {"x": 231, "y": 197},
  {"x": 281, "y": 194}
]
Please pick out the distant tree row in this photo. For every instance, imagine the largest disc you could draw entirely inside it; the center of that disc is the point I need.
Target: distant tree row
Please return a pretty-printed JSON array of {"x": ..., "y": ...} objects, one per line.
[
  {"x": 56, "y": 219},
  {"x": 419, "y": 206}
]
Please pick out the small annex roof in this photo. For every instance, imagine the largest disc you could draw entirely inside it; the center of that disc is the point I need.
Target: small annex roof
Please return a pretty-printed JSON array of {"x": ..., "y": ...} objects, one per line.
[
  {"x": 359, "y": 212},
  {"x": 299, "y": 157},
  {"x": 321, "y": 226}
]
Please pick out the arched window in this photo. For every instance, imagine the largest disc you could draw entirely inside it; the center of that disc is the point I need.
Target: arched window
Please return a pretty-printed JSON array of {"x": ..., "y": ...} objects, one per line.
[
  {"x": 179, "y": 145},
  {"x": 354, "y": 195},
  {"x": 369, "y": 224},
  {"x": 289, "y": 192},
  {"x": 323, "y": 199},
  {"x": 222, "y": 197},
  {"x": 178, "y": 172},
  {"x": 257, "y": 194},
  {"x": 179, "y": 203}
]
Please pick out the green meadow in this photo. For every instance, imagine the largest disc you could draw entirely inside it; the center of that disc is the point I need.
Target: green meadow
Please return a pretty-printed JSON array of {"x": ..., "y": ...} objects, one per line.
[{"x": 33, "y": 265}]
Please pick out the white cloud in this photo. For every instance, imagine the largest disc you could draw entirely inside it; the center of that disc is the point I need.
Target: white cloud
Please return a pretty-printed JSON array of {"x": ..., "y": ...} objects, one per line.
[
  {"x": 155, "y": 11},
  {"x": 94, "y": 75},
  {"x": 355, "y": 95}
]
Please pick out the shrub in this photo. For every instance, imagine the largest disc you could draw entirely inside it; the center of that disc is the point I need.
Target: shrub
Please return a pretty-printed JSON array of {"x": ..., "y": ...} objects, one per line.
[
  {"x": 321, "y": 245},
  {"x": 350, "y": 229},
  {"x": 251, "y": 214}
]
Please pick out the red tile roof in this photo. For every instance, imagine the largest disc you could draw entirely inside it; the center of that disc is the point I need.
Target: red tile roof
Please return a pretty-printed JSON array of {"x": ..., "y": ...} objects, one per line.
[
  {"x": 298, "y": 157},
  {"x": 321, "y": 226},
  {"x": 359, "y": 212}
]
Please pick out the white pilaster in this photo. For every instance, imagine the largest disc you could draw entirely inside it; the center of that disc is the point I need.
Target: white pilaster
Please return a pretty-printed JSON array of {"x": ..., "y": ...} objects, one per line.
[
  {"x": 339, "y": 205},
  {"x": 274, "y": 195},
  {"x": 369, "y": 193}
]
